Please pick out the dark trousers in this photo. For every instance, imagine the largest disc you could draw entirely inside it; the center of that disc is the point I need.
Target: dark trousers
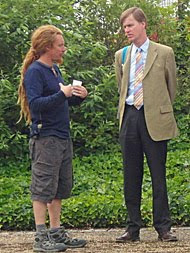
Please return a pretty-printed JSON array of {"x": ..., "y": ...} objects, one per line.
[{"x": 135, "y": 142}]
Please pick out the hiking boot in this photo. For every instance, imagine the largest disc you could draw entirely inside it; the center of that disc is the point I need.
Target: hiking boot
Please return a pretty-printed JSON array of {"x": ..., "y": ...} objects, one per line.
[
  {"x": 43, "y": 243},
  {"x": 61, "y": 236}
]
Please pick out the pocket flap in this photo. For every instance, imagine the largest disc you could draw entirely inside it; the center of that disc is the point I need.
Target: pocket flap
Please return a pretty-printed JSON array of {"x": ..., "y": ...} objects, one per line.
[{"x": 166, "y": 108}]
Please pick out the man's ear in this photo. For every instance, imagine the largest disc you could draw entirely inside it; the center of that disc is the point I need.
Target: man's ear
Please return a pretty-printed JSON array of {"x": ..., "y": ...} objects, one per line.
[{"x": 144, "y": 24}]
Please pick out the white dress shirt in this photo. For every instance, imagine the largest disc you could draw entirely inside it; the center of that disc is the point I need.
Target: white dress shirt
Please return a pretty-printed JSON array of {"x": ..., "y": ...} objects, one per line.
[{"x": 130, "y": 92}]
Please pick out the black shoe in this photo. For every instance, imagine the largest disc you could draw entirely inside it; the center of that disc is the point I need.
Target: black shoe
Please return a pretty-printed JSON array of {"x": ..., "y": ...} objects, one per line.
[
  {"x": 167, "y": 237},
  {"x": 127, "y": 237},
  {"x": 61, "y": 236}
]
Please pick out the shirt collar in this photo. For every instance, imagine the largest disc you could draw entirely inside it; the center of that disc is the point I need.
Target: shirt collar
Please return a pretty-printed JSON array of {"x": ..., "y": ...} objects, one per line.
[{"x": 144, "y": 46}]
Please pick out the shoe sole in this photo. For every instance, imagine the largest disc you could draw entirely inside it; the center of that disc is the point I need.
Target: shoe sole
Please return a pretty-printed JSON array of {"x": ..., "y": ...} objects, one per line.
[
  {"x": 45, "y": 250},
  {"x": 168, "y": 240},
  {"x": 77, "y": 246},
  {"x": 128, "y": 241}
]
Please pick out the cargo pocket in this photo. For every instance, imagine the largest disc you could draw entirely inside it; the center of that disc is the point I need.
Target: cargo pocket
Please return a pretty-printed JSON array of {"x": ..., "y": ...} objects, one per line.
[{"x": 31, "y": 148}]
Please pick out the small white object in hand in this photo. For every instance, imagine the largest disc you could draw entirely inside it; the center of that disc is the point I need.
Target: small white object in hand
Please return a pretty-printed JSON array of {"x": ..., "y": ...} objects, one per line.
[{"x": 77, "y": 82}]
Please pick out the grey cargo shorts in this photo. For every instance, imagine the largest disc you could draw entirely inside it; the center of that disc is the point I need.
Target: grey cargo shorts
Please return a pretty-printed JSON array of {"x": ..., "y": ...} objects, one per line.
[{"x": 52, "y": 176}]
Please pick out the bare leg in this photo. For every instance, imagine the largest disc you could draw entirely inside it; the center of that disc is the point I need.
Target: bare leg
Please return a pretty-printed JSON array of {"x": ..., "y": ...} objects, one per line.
[
  {"x": 54, "y": 210},
  {"x": 39, "y": 212}
]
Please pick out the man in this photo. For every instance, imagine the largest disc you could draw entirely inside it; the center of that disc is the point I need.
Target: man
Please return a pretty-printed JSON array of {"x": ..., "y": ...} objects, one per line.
[
  {"x": 45, "y": 101},
  {"x": 147, "y": 87}
]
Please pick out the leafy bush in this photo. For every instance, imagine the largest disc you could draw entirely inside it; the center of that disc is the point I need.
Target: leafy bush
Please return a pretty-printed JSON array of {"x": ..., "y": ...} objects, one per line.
[
  {"x": 97, "y": 198},
  {"x": 92, "y": 41},
  {"x": 92, "y": 34}
]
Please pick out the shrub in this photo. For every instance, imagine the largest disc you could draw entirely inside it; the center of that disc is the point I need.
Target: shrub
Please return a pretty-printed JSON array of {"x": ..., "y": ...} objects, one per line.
[{"x": 97, "y": 198}]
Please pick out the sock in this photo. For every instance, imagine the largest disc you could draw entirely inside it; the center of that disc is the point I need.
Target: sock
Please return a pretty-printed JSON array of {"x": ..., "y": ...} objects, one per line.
[
  {"x": 40, "y": 227},
  {"x": 54, "y": 229}
]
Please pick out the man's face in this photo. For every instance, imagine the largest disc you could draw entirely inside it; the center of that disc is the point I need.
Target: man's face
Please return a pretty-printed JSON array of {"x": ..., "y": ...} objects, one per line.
[
  {"x": 134, "y": 30},
  {"x": 57, "y": 50}
]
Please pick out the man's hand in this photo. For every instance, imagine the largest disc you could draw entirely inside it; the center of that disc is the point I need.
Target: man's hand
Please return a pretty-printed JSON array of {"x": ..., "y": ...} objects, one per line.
[
  {"x": 67, "y": 90},
  {"x": 80, "y": 91}
]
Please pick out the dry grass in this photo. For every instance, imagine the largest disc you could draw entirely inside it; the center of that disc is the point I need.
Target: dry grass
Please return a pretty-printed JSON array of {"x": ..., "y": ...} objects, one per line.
[{"x": 102, "y": 241}]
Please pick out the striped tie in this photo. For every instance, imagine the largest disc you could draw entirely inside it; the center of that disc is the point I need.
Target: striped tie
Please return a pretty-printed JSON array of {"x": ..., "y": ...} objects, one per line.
[{"x": 138, "y": 90}]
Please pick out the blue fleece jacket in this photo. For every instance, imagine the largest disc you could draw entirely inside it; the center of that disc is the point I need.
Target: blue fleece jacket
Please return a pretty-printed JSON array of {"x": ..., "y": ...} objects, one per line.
[{"x": 48, "y": 105}]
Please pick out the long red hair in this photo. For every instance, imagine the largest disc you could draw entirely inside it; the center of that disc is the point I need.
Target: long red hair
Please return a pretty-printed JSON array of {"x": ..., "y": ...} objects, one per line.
[{"x": 42, "y": 38}]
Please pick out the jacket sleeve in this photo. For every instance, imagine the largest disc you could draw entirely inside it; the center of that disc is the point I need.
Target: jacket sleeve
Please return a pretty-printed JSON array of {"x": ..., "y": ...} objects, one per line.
[
  {"x": 118, "y": 69},
  {"x": 171, "y": 74}
]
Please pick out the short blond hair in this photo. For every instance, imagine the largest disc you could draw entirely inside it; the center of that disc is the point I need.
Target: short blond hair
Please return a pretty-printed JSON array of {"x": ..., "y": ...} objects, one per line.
[{"x": 137, "y": 13}]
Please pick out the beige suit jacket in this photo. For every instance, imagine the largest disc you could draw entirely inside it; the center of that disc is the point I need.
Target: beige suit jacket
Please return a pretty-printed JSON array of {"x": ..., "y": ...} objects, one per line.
[{"x": 159, "y": 89}]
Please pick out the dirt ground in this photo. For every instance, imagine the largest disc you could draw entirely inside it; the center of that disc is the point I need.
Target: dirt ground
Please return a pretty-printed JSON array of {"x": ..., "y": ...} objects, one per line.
[{"x": 103, "y": 241}]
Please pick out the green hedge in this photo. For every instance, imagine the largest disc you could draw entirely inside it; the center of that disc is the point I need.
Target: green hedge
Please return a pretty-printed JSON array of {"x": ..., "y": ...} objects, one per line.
[{"x": 97, "y": 198}]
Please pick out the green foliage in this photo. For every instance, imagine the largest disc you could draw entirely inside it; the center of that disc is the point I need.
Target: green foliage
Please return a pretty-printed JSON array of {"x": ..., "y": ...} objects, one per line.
[
  {"x": 94, "y": 111},
  {"x": 92, "y": 34},
  {"x": 11, "y": 140},
  {"x": 97, "y": 197},
  {"x": 15, "y": 205},
  {"x": 179, "y": 186}
]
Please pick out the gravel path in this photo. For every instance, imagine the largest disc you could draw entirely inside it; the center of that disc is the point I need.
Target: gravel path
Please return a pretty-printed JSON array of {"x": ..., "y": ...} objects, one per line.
[{"x": 103, "y": 241}]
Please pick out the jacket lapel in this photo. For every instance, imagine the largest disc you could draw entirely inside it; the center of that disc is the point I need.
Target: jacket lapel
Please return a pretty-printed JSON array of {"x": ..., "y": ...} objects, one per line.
[{"x": 151, "y": 56}]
